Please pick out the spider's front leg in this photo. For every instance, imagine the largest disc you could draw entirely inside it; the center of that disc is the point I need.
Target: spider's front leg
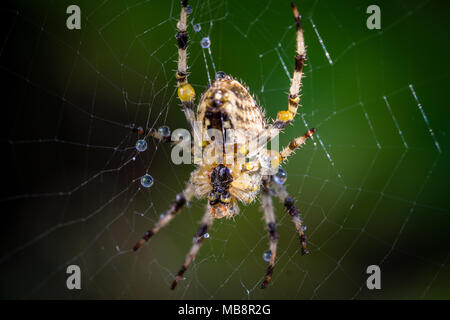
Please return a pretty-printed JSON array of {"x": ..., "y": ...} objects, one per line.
[
  {"x": 197, "y": 243},
  {"x": 285, "y": 117},
  {"x": 269, "y": 216},
  {"x": 186, "y": 92}
]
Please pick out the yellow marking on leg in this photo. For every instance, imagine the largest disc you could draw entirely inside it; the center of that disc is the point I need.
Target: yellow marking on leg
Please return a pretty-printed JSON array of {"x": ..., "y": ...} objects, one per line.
[
  {"x": 186, "y": 92},
  {"x": 285, "y": 116}
]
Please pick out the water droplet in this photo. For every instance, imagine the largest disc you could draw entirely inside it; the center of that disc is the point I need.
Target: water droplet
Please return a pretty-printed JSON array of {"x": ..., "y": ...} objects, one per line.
[
  {"x": 280, "y": 177},
  {"x": 267, "y": 255},
  {"x": 188, "y": 9},
  {"x": 147, "y": 181},
  {"x": 206, "y": 235},
  {"x": 220, "y": 75},
  {"x": 162, "y": 216},
  {"x": 164, "y": 131},
  {"x": 197, "y": 27},
  {"x": 141, "y": 145},
  {"x": 205, "y": 43},
  {"x": 303, "y": 228}
]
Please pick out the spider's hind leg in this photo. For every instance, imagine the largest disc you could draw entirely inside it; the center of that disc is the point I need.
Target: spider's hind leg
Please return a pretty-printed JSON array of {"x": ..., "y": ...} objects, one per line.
[
  {"x": 197, "y": 243},
  {"x": 180, "y": 201},
  {"x": 288, "y": 202},
  {"x": 269, "y": 215}
]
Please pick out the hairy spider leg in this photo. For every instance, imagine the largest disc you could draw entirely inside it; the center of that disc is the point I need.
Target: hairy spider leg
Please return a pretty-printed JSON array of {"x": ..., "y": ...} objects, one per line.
[
  {"x": 285, "y": 117},
  {"x": 197, "y": 243},
  {"x": 186, "y": 92},
  {"x": 295, "y": 144},
  {"x": 282, "y": 194},
  {"x": 269, "y": 215},
  {"x": 165, "y": 218}
]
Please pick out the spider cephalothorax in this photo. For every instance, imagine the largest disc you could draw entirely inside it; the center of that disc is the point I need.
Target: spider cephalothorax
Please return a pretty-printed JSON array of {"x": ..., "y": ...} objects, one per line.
[{"x": 235, "y": 166}]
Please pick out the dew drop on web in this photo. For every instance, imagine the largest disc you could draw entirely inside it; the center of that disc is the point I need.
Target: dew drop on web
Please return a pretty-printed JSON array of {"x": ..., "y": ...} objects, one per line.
[
  {"x": 147, "y": 181},
  {"x": 267, "y": 255},
  {"x": 141, "y": 145},
  {"x": 205, "y": 43}
]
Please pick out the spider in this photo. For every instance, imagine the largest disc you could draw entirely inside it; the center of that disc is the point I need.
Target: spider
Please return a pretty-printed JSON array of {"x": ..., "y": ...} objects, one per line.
[{"x": 227, "y": 104}]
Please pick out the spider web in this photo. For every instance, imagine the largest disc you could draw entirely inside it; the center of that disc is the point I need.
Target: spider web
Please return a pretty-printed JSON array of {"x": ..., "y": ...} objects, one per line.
[{"x": 371, "y": 185}]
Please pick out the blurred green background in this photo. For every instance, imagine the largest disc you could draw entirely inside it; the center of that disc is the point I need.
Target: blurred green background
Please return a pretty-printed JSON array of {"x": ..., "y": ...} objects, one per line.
[{"x": 71, "y": 187}]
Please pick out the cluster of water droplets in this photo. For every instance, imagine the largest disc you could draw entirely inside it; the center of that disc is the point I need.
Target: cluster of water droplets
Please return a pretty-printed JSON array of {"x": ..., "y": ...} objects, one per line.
[
  {"x": 141, "y": 145},
  {"x": 205, "y": 42}
]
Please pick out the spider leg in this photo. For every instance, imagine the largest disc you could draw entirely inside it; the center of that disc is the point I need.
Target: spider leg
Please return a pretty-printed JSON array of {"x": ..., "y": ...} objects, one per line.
[
  {"x": 186, "y": 92},
  {"x": 269, "y": 215},
  {"x": 197, "y": 243},
  {"x": 282, "y": 194},
  {"x": 165, "y": 218},
  {"x": 154, "y": 133},
  {"x": 285, "y": 117},
  {"x": 297, "y": 143}
]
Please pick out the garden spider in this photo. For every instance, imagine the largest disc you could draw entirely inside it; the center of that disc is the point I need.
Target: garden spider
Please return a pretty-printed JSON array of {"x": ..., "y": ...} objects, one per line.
[{"x": 226, "y": 104}]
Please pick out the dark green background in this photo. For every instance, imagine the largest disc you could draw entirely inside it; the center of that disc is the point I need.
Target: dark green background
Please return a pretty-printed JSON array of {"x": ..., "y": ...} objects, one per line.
[{"x": 74, "y": 198}]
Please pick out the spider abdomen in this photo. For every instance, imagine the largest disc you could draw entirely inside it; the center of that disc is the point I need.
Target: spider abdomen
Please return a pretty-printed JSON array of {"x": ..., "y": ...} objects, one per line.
[{"x": 227, "y": 104}]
